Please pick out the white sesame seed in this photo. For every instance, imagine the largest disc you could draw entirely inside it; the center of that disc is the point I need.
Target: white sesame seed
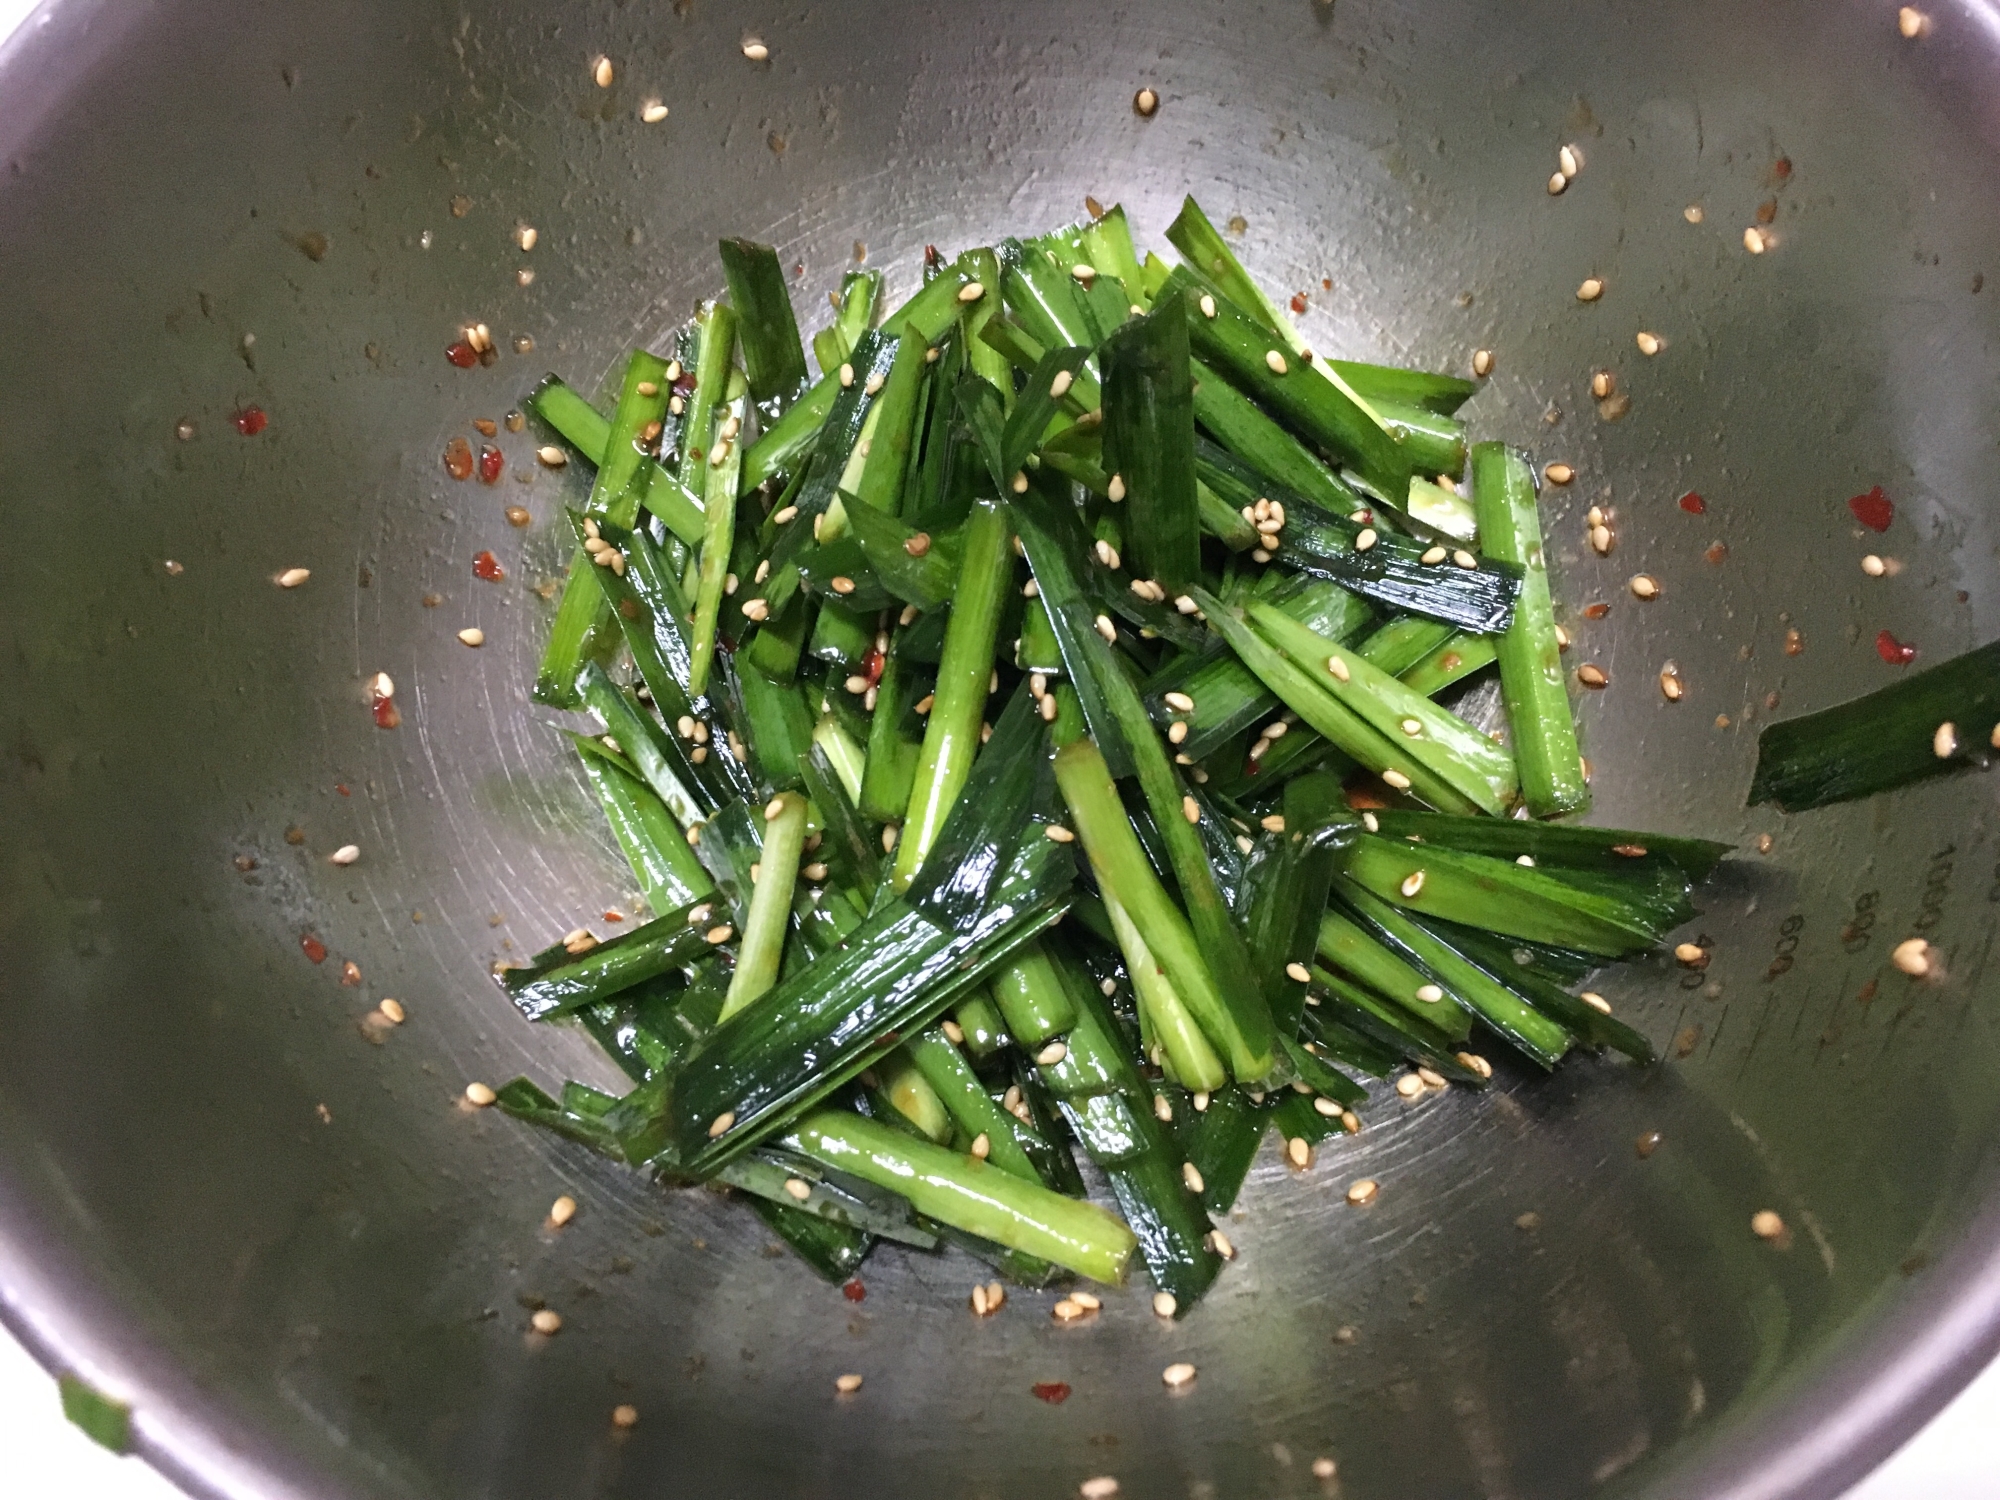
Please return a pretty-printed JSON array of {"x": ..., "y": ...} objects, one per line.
[
  {"x": 1115, "y": 490},
  {"x": 1595, "y": 1001},
  {"x": 889, "y": 837},
  {"x": 972, "y": 291},
  {"x": 601, "y": 71},
  {"x": 1944, "y": 743},
  {"x": 721, "y": 1123},
  {"x": 1299, "y": 972},
  {"x": 1277, "y": 729},
  {"x": 1649, "y": 343},
  {"x": 842, "y": 584},
  {"x": 1088, "y": 1301},
  {"x": 1103, "y": 1487},
  {"x": 1177, "y": 1375},
  {"x": 479, "y": 1094},
  {"x": 472, "y": 635},
  {"x": 1191, "y": 809},
  {"x": 1568, "y": 160},
  {"x": 346, "y": 854},
  {"x": 755, "y": 50},
  {"x": 1412, "y": 883},
  {"x": 1165, "y": 1305},
  {"x": 1409, "y": 1086},
  {"x": 1144, "y": 103},
  {"x": 1200, "y": 1101},
  {"x": 1766, "y": 1225},
  {"x": 1397, "y": 780},
  {"x": 1084, "y": 272},
  {"x": 847, "y": 1385},
  {"x": 1910, "y": 22},
  {"x": 798, "y": 1188},
  {"x": 1912, "y": 956},
  {"x": 1482, "y": 362},
  {"x": 1872, "y": 565},
  {"x": 1600, "y": 539},
  {"x": 625, "y": 1416},
  {"x": 719, "y": 934},
  {"x": 546, "y": 1321},
  {"x": 1433, "y": 556},
  {"x": 1591, "y": 290},
  {"x": 1177, "y": 731},
  {"x": 393, "y": 1012},
  {"x": 1068, "y": 1310},
  {"x": 1644, "y": 586},
  {"x": 1207, "y": 305},
  {"x": 1338, "y": 667},
  {"x": 1412, "y": 727},
  {"x": 1363, "y": 1191},
  {"x": 1557, "y": 182},
  {"x": 562, "y": 1210},
  {"x": 1462, "y": 558},
  {"x": 1274, "y": 361},
  {"x": 1052, "y": 1054},
  {"x": 1690, "y": 954},
  {"x": 551, "y": 456},
  {"x": 291, "y": 578},
  {"x": 1324, "y": 1468},
  {"x": 1753, "y": 240},
  {"x": 1191, "y": 1175},
  {"x": 982, "y": 1145},
  {"x": 1365, "y": 539},
  {"x": 652, "y": 112},
  {"x": 1220, "y": 1244}
]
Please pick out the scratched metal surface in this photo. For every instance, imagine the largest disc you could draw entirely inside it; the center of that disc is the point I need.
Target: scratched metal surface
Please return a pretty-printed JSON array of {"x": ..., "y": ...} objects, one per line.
[{"x": 278, "y": 1232}]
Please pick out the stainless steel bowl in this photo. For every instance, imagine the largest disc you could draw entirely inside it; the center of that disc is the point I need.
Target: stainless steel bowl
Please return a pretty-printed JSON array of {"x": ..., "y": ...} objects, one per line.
[{"x": 283, "y": 1238}]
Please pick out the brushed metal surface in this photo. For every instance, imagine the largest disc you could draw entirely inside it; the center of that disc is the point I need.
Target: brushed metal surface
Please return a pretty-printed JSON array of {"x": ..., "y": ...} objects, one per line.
[{"x": 281, "y": 1233}]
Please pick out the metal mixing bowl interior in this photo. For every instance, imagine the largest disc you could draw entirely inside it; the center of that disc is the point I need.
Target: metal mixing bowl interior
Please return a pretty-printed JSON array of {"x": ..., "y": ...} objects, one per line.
[{"x": 276, "y": 1230}]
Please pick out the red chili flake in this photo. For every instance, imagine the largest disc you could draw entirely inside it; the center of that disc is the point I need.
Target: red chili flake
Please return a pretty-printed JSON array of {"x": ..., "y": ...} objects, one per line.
[
  {"x": 313, "y": 948},
  {"x": 1596, "y": 611},
  {"x": 1629, "y": 851},
  {"x": 1781, "y": 169},
  {"x": 1874, "y": 510},
  {"x": 1693, "y": 504},
  {"x": 871, "y": 667},
  {"x": 1326, "y": 283},
  {"x": 1893, "y": 651},
  {"x": 251, "y": 420},
  {"x": 462, "y": 354},
  {"x": 614, "y": 916},
  {"x": 1298, "y": 302},
  {"x": 1716, "y": 552},
  {"x": 1364, "y": 517},
  {"x": 387, "y": 715},
  {"x": 685, "y": 385},
  {"x": 491, "y": 462},
  {"x": 1055, "y": 1392},
  {"x": 458, "y": 458},
  {"x": 341, "y": 787},
  {"x": 853, "y": 1290},
  {"x": 485, "y": 565}
]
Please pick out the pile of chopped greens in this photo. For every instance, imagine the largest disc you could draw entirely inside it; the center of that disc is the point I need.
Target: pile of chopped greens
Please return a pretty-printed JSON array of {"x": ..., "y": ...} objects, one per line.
[{"x": 1028, "y": 737}]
